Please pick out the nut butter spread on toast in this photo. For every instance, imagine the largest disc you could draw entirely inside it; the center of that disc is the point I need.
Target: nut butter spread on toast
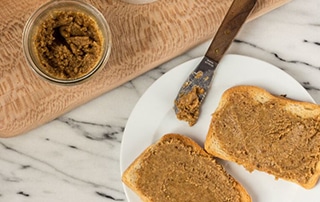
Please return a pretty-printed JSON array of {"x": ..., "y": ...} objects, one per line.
[
  {"x": 177, "y": 169},
  {"x": 269, "y": 133}
]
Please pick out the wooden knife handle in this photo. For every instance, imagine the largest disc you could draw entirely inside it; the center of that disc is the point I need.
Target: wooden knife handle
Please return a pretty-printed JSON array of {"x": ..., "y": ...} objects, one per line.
[{"x": 230, "y": 26}]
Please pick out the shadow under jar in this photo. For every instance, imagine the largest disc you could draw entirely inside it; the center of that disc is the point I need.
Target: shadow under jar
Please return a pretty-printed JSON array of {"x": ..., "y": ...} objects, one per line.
[{"x": 66, "y": 41}]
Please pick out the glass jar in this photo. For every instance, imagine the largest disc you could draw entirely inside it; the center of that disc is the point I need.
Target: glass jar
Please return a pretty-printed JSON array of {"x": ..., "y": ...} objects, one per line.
[{"x": 66, "y": 41}]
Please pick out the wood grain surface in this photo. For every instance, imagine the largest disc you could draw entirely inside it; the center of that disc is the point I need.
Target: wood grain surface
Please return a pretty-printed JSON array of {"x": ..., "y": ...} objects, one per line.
[{"x": 144, "y": 36}]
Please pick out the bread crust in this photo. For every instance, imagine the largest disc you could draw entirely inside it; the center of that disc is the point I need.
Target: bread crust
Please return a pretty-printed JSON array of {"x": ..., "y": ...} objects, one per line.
[
  {"x": 303, "y": 110},
  {"x": 129, "y": 176}
]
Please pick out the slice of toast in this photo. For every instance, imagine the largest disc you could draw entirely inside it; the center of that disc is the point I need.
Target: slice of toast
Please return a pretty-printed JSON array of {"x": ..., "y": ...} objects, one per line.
[
  {"x": 268, "y": 133},
  {"x": 176, "y": 168}
]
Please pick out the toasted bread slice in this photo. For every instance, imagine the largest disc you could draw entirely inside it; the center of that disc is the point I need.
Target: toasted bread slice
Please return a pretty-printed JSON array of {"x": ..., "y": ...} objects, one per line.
[
  {"x": 268, "y": 133},
  {"x": 177, "y": 169}
]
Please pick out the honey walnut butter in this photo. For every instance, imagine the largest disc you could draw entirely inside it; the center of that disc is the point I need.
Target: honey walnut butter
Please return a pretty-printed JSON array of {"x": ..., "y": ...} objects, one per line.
[
  {"x": 268, "y": 138},
  {"x": 68, "y": 44},
  {"x": 183, "y": 175},
  {"x": 188, "y": 105}
]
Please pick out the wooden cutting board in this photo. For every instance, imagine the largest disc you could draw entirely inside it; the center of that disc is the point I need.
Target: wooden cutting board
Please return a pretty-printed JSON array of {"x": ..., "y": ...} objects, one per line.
[{"x": 144, "y": 36}]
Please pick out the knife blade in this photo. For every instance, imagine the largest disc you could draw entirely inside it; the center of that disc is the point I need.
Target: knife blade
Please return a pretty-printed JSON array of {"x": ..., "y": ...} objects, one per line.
[{"x": 188, "y": 102}]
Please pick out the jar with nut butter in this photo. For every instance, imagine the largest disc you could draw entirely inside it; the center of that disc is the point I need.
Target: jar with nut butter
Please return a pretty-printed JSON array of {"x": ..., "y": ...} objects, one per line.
[{"x": 66, "y": 41}]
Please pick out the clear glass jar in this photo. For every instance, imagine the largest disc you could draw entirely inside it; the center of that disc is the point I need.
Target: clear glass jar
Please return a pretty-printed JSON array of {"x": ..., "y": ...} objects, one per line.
[{"x": 35, "y": 23}]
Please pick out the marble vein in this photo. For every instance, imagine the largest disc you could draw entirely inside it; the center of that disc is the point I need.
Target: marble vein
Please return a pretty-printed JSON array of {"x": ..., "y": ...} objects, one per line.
[
  {"x": 103, "y": 131},
  {"x": 276, "y": 55}
]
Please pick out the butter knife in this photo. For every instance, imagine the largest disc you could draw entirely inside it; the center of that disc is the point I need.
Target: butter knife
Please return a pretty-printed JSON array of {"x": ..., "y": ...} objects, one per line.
[{"x": 193, "y": 91}]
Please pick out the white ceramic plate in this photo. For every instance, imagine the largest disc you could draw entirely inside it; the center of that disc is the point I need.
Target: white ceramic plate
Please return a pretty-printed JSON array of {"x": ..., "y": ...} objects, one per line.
[{"x": 153, "y": 116}]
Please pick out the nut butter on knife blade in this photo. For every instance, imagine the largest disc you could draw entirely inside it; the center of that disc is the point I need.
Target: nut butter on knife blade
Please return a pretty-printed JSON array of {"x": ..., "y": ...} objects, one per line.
[{"x": 193, "y": 91}]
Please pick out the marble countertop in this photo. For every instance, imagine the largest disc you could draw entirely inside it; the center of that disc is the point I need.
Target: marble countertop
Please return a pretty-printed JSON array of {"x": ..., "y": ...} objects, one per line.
[{"x": 76, "y": 157}]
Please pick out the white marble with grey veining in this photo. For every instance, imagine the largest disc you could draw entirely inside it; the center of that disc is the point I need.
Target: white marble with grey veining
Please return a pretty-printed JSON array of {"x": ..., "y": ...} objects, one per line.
[{"x": 76, "y": 156}]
